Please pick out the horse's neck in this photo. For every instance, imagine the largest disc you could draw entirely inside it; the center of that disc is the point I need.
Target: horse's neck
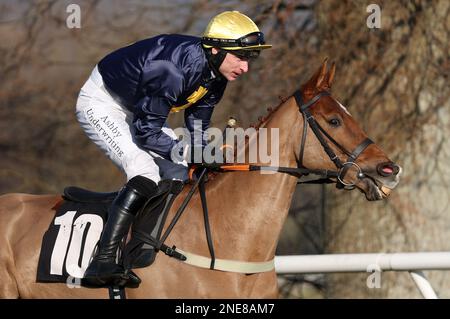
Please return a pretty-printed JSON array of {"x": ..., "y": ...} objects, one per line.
[{"x": 257, "y": 204}]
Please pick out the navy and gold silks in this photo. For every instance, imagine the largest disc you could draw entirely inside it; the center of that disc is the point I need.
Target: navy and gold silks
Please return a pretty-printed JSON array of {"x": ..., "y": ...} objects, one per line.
[{"x": 154, "y": 76}]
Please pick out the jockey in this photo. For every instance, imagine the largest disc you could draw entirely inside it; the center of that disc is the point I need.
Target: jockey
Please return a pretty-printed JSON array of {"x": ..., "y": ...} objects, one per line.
[{"x": 124, "y": 105}]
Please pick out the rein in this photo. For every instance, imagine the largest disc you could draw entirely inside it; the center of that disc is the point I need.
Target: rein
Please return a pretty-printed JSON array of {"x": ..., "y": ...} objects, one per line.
[{"x": 322, "y": 136}]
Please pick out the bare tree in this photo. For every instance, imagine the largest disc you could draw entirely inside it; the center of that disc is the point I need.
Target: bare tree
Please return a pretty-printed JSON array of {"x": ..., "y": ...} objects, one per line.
[{"x": 393, "y": 80}]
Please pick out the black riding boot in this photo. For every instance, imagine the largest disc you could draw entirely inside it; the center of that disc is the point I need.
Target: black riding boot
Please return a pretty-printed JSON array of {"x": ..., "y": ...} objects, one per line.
[{"x": 103, "y": 270}]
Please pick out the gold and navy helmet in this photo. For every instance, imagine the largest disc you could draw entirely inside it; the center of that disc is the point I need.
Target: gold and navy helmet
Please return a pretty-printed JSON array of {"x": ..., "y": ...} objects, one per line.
[{"x": 232, "y": 30}]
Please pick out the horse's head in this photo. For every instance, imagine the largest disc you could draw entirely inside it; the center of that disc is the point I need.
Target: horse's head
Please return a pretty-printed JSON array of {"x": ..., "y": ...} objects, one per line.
[{"x": 333, "y": 140}]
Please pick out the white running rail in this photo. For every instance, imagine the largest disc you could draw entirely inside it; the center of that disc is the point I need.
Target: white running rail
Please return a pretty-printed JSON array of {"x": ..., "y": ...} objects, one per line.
[{"x": 413, "y": 263}]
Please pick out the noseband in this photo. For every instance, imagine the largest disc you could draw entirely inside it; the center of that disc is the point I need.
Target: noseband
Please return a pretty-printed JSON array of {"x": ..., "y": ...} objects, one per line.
[{"x": 320, "y": 133}]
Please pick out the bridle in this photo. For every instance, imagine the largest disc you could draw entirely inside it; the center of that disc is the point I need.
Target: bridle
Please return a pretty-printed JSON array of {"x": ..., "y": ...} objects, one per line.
[
  {"x": 299, "y": 171},
  {"x": 322, "y": 136}
]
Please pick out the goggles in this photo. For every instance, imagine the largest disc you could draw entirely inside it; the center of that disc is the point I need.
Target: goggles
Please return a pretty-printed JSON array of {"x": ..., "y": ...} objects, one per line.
[
  {"x": 251, "y": 39},
  {"x": 245, "y": 54}
]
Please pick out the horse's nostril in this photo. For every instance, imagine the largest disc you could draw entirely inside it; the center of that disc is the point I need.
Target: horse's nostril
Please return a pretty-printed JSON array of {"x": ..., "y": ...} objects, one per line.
[{"x": 388, "y": 169}]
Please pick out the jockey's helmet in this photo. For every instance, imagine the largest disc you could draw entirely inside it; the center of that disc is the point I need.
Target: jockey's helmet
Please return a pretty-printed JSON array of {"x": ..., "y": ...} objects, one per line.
[{"x": 232, "y": 30}]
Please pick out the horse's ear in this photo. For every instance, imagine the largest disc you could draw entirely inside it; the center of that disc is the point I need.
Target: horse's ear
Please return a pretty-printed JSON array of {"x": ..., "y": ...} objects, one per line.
[
  {"x": 315, "y": 82},
  {"x": 325, "y": 83},
  {"x": 330, "y": 76},
  {"x": 322, "y": 75}
]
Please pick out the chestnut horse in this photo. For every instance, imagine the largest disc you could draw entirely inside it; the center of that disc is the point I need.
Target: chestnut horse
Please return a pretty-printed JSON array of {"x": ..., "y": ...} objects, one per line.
[{"x": 247, "y": 211}]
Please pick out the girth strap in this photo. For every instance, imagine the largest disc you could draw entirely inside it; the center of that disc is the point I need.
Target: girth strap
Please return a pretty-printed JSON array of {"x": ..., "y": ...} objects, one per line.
[{"x": 243, "y": 267}]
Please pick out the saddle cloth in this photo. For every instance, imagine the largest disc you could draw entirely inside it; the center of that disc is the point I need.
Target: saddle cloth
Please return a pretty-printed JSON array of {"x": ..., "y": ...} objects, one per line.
[{"x": 69, "y": 242}]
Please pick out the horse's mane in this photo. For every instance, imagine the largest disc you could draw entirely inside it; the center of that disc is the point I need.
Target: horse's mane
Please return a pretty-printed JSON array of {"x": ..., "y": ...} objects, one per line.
[
  {"x": 270, "y": 111},
  {"x": 261, "y": 120}
]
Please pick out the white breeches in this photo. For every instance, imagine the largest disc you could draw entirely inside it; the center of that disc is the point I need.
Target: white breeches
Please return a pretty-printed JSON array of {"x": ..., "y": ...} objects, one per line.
[{"x": 109, "y": 125}]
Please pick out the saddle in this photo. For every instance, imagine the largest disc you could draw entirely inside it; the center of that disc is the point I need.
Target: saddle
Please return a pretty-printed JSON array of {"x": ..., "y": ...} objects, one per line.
[{"x": 81, "y": 195}]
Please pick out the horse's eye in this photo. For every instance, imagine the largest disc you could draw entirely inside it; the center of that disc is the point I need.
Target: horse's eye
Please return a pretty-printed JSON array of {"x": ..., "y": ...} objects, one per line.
[{"x": 334, "y": 122}]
